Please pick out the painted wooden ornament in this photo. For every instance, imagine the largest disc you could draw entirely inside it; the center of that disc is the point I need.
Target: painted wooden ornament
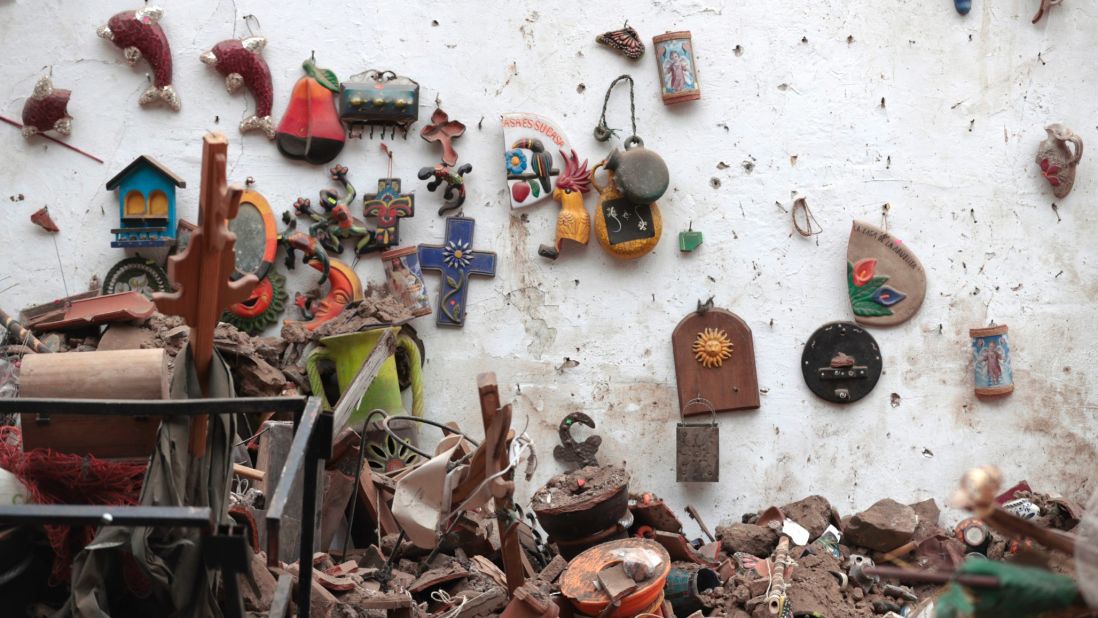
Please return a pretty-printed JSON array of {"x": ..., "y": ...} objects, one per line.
[
  {"x": 146, "y": 204},
  {"x": 379, "y": 99},
  {"x": 841, "y": 362},
  {"x": 47, "y": 110},
  {"x": 715, "y": 361},
  {"x": 334, "y": 223},
  {"x": 677, "y": 69},
  {"x": 623, "y": 227},
  {"x": 310, "y": 129},
  {"x": 387, "y": 207},
  {"x": 139, "y": 35},
  {"x": 444, "y": 131},
  {"x": 625, "y": 41},
  {"x": 240, "y": 61},
  {"x": 405, "y": 279},
  {"x": 344, "y": 288},
  {"x": 885, "y": 281},
  {"x": 256, "y": 247},
  {"x": 1056, "y": 159},
  {"x": 991, "y": 361},
  {"x": 573, "y": 223},
  {"x": 698, "y": 446},
  {"x": 534, "y": 156},
  {"x": 456, "y": 261}
]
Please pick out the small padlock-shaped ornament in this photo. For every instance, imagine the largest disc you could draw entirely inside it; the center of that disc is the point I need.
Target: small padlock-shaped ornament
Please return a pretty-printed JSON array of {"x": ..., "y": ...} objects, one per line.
[
  {"x": 698, "y": 447},
  {"x": 627, "y": 219}
]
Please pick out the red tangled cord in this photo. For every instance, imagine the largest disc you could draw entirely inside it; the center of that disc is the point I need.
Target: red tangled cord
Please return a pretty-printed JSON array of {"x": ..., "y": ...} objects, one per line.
[{"x": 63, "y": 478}]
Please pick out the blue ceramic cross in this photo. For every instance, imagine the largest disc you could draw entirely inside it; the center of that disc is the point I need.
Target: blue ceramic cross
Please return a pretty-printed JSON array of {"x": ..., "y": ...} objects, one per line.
[{"x": 456, "y": 260}]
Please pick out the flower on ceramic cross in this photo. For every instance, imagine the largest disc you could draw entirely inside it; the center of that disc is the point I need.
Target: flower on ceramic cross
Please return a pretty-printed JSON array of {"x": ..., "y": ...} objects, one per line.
[
  {"x": 1051, "y": 172},
  {"x": 456, "y": 254}
]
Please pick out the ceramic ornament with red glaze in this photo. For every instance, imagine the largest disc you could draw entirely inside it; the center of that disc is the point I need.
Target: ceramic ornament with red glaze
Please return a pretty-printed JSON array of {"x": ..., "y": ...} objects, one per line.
[
  {"x": 139, "y": 35},
  {"x": 239, "y": 60},
  {"x": 532, "y": 158},
  {"x": 47, "y": 110}
]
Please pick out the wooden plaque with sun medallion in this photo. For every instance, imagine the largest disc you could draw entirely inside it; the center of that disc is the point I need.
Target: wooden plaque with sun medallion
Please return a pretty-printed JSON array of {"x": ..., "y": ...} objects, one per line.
[{"x": 715, "y": 360}]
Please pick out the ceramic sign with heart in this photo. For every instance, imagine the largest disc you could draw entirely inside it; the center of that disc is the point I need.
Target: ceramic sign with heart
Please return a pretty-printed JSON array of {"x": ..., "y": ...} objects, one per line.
[{"x": 532, "y": 157}]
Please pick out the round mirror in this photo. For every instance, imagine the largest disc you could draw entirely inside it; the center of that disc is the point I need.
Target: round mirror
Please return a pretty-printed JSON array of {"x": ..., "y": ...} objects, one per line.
[{"x": 256, "y": 235}]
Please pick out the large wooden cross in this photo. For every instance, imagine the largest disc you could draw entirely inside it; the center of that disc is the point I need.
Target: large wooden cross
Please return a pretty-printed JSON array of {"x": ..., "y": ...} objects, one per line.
[
  {"x": 201, "y": 273},
  {"x": 457, "y": 261}
]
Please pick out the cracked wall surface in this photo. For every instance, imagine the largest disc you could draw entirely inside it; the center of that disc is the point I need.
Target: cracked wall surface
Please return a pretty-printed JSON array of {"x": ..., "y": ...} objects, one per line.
[{"x": 853, "y": 105}]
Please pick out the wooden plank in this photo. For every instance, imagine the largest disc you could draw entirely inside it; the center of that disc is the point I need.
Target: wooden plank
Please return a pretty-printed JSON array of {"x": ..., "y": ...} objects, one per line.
[{"x": 349, "y": 400}]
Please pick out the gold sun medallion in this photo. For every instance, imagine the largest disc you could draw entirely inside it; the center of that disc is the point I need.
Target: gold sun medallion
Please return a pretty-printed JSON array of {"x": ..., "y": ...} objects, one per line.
[{"x": 712, "y": 347}]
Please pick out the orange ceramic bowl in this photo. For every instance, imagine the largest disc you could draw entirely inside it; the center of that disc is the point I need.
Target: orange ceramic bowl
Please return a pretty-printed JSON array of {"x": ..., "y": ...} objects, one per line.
[{"x": 579, "y": 582}]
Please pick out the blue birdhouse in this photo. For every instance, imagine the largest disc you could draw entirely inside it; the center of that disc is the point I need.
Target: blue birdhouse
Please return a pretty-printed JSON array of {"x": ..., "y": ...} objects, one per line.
[{"x": 146, "y": 204}]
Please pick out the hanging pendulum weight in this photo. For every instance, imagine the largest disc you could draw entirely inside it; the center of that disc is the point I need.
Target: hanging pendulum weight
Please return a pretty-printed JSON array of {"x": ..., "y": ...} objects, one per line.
[{"x": 627, "y": 219}]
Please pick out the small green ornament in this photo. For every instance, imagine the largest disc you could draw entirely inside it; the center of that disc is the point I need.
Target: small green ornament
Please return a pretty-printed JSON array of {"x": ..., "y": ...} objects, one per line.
[{"x": 689, "y": 239}]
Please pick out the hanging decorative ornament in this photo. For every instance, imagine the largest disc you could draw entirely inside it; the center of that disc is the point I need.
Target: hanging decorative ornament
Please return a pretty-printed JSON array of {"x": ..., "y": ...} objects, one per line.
[
  {"x": 46, "y": 110},
  {"x": 456, "y": 261},
  {"x": 625, "y": 41},
  {"x": 991, "y": 361},
  {"x": 841, "y": 362},
  {"x": 530, "y": 161},
  {"x": 240, "y": 62},
  {"x": 573, "y": 223},
  {"x": 962, "y": 6},
  {"x": 627, "y": 219},
  {"x": 445, "y": 131},
  {"x": 677, "y": 70},
  {"x": 715, "y": 360},
  {"x": 885, "y": 281},
  {"x": 345, "y": 288},
  {"x": 690, "y": 239},
  {"x": 139, "y": 35},
  {"x": 256, "y": 246},
  {"x": 310, "y": 129},
  {"x": 1056, "y": 159},
  {"x": 387, "y": 207},
  {"x": 379, "y": 98},
  {"x": 333, "y": 222},
  {"x": 405, "y": 279}
]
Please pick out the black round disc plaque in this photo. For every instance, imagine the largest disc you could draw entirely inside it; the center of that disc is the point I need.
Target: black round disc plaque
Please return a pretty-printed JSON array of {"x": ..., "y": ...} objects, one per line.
[{"x": 841, "y": 362}]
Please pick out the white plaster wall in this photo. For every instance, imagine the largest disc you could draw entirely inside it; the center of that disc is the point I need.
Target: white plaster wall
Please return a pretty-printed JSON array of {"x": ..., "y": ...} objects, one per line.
[{"x": 951, "y": 150}]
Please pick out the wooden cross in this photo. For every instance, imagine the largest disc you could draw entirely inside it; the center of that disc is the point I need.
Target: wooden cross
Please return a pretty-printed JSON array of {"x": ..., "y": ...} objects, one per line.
[
  {"x": 201, "y": 273},
  {"x": 457, "y": 261},
  {"x": 388, "y": 206}
]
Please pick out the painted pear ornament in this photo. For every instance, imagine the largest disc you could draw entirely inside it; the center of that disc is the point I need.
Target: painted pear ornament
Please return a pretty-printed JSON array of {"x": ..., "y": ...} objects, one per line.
[
  {"x": 1056, "y": 159},
  {"x": 572, "y": 222},
  {"x": 310, "y": 129},
  {"x": 139, "y": 35},
  {"x": 46, "y": 110},
  {"x": 239, "y": 60}
]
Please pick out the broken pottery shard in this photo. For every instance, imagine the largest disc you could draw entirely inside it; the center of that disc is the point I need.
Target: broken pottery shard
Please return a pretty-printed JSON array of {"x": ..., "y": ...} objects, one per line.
[
  {"x": 885, "y": 281},
  {"x": 882, "y": 527},
  {"x": 748, "y": 538},
  {"x": 42, "y": 219},
  {"x": 534, "y": 157}
]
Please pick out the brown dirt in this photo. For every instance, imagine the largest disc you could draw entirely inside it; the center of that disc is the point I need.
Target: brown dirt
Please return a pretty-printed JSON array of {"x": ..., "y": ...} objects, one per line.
[{"x": 565, "y": 490}]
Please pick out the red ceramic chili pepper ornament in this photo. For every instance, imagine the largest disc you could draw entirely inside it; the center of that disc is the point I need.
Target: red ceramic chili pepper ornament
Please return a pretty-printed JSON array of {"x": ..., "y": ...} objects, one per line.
[
  {"x": 45, "y": 110},
  {"x": 139, "y": 35},
  {"x": 310, "y": 128},
  {"x": 240, "y": 62}
]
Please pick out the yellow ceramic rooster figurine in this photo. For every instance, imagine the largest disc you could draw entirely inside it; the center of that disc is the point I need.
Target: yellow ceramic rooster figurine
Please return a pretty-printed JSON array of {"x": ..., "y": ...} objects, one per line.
[{"x": 572, "y": 222}]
